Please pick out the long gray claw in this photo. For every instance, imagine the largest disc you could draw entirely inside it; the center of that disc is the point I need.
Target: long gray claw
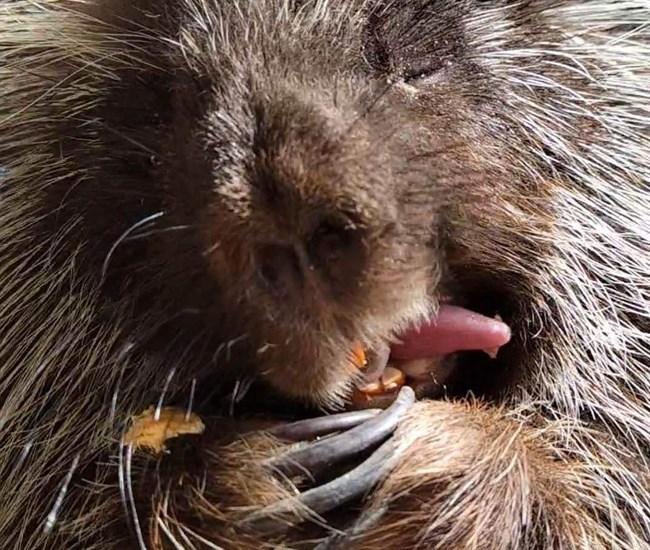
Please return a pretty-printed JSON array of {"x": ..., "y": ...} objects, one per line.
[
  {"x": 323, "y": 425},
  {"x": 343, "y": 540},
  {"x": 316, "y": 457},
  {"x": 276, "y": 517}
]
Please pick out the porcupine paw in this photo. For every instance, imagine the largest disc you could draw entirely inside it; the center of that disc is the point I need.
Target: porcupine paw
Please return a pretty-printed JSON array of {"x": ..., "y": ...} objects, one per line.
[
  {"x": 342, "y": 440},
  {"x": 268, "y": 488},
  {"x": 470, "y": 476}
]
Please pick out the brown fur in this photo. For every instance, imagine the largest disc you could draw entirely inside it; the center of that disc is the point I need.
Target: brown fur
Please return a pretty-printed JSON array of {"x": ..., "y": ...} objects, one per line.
[{"x": 208, "y": 191}]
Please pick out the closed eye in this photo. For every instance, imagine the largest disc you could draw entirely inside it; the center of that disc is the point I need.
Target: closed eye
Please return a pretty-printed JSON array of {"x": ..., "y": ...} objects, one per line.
[
  {"x": 414, "y": 75},
  {"x": 418, "y": 72},
  {"x": 399, "y": 58}
]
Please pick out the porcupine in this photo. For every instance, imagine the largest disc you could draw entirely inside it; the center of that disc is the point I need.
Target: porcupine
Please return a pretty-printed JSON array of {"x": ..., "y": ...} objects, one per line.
[{"x": 195, "y": 192}]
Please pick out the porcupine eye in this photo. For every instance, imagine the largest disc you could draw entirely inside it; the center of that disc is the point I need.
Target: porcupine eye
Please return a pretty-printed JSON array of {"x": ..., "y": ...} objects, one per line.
[{"x": 394, "y": 48}]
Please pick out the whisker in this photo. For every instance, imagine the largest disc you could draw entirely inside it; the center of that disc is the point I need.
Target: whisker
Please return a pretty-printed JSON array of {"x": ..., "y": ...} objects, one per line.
[
  {"x": 242, "y": 387},
  {"x": 186, "y": 540},
  {"x": 52, "y": 516},
  {"x": 211, "y": 249},
  {"x": 233, "y": 397},
  {"x": 202, "y": 485},
  {"x": 168, "y": 381},
  {"x": 132, "y": 141},
  {"x": 245, "y": 388},
  {"x": 191, "y": 403},
  {"x": 121, "y": 480},
  {"x": 230, "y": 344},
  {"x": 167, "y": 532},
  {"x": 157, "y": 232},
  {"x": 113, "y": 411},
  {"x": 201, "y": 539},
  {"x": 129, "y": 487},
  {"x": 124, "y": 235},
  {"x": 216, "y": 354},
  {"x": 27, "y": 447}
]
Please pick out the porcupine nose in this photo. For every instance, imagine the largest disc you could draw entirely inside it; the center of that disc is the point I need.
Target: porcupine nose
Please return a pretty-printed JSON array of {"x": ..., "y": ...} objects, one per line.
[
  {"x": 279, "y": 267},
  {"x": 305, "y": 179},
  {"x": 324, "y": 261}
]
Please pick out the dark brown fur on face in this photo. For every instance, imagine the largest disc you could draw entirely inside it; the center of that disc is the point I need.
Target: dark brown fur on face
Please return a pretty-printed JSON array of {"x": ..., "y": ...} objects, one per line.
[{"x": 203, "y": 192}]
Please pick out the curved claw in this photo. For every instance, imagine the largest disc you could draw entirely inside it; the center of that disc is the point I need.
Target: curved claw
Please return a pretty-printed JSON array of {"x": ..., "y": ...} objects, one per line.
[
  {"x": 343, "y": 540},
  {"x": 323, "y": 425},
  {"x": 275, "y": 518},
  {"x": 316, "y": 457}
]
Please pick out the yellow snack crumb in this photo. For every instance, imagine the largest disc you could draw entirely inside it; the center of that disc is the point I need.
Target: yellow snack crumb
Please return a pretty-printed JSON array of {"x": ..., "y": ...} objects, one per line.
[{"x": 147, "y": 432}]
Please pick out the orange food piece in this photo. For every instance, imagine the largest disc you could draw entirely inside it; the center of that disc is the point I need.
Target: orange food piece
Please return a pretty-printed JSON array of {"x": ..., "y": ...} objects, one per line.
[
  {"x": 147, "y": 432},
  {"x": 358, "y": 355},
  {"x": 390, "y": 381}
]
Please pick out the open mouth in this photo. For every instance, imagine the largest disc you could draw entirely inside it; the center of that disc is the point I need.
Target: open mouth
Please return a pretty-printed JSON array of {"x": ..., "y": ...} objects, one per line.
[{"x": 420, "y": 359}]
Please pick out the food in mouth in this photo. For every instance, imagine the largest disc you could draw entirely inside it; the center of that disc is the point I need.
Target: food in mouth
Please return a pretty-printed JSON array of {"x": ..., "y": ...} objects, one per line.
[{"x": 421, "y": 350}]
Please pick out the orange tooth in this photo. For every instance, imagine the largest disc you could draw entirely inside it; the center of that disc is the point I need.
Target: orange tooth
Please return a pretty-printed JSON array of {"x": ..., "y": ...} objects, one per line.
[{"x": 358, "y": 355}]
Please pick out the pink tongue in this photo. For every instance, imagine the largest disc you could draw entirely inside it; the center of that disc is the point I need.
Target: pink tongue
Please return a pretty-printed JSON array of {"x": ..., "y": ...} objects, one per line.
[{"x": 454, "y": 329}]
